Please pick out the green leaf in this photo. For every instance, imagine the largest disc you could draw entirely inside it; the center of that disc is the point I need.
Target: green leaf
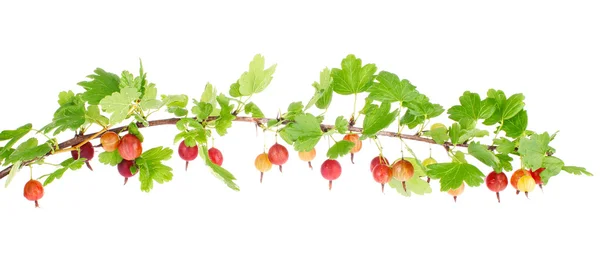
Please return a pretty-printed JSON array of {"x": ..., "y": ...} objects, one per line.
[
  {"x": 459, "y": 157},
  {"x": 66, "y": 165},
  {"x": 13, "y": 171},
  {"x": 516, "y": 126},
  {"x": 452, "y": 175},
  {"x": 218, "y": 171},
  {"x": 505, "y": 162},
  {"x": 390, "y": 88},
  {"x": 5, "y": 153},
  {"x": 225, "y": 119},
  {"x": 283, "y": 133},
  {"x": 352, "y": 78},
  {"x": 28, "y": 150},
  {"x": 257, "y": 78},
  {"x": 55, "y": 175},
  {"x": 470, "y": 134},
  {"x": 65, "y": 97},
  {"x": 576, "y": 170},
  {"x": 456, "y": 132},
  {"x": 178, "y": 101},
  {"x": 93, "y": 115},
  {"x": 305, "y": 132},
  {"x": 102, "y": 84},
  {"x": 192, "y": 137},
  {"x": 110, "y": 158},
  {"x": 13, "y": 136},
  {"x": 420, "y": 106},
  {"x": 202, "y": 110},
  {"x": 481, "y": 153},
  {"x": 210, "y": 96},
  {"x": 149, "y": 101},
  {"x": 234, "y": 90},
  {"x": 472, "y": 108},
  {"x": 323, "y": 91},
  {"x": 176, "y": 104},
  {"x": 341, "y": 124},
  {"x": 251, "y": 108},
  {"x": 339, "y": 149},
  {"x": 411, "y": 121},
  {"x": 439, "y": 135},
  {"x": 152, "y": 169},
  {"x": 505, "y": 145},
  {"x": 119, "y": 104},
  {"x": 505, "y": 109},
  {"x": 18, "y": 133},
  {"x": 533, "y": 150},
  {"x": 467, "y": 124},
  {"x": 378, "y": 119},
  {"x": 294, "y": 109},
  {"x": 192, "y": 132},
  {"x": 128, "y": 81},
  {"x": 73, "y": 164},
  {"x": 133, "y": 129},
  {"x": 70, "y": 114},
  {"x": 553, "y": 167}
]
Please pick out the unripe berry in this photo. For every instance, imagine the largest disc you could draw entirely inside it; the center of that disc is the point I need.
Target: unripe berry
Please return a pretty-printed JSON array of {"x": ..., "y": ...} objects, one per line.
[
  {"x": 353, "y": 137},
  {"x": 458, "y": 191},
  {"x": 308, "y": 156},
  {"x": 262, "y": 164}
]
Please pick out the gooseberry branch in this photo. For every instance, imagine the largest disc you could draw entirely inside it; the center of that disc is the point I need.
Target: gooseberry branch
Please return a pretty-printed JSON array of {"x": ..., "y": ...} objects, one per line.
[
  {"x": 110, "y": 100},
  {"x": 80, "y": 140}
]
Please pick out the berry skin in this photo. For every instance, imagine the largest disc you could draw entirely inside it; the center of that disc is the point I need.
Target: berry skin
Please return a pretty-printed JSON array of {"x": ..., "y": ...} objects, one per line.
[
  {"x": 308, "y": 156},
  {"x": 403, "y": 170},
  {"x": 186, "y": 153},
  {"x": 110, "y": 141},
  {"x": 215, "y": 156},
  {"x": 33, "y": 191},
  {"x": 514, "y": 179},
  {"x": 124, "y": 168},
  {"x": 378, "y": 160},
  {"x": 426, "y": 163},
  {"x": 526, "y": 184},
  {"x": 536, "y": 176},
  {"x": 457, "y": 192},
  {"x": 331, "y": 170},
  {"x": 278, "y": 155},
  {"x": 382, "y": 174},
  {"x": 262, "y": 164},
  {"x": 85, "y": 151},
  {"x": 496, "y": 182},
  {"x": 353, "y": 137},
  {"x": 130, "y": 147}
]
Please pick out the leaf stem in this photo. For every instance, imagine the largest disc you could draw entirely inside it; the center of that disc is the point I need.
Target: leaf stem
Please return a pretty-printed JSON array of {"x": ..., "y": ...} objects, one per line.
[
  {"x": 40, "y": 132},
  {"x": 498, "y": 131},
  {"x": 352, "y": 120}
]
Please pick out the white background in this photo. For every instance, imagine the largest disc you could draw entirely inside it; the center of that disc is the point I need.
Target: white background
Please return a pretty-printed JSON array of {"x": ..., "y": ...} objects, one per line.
[{"x": 547, "y": 51}]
